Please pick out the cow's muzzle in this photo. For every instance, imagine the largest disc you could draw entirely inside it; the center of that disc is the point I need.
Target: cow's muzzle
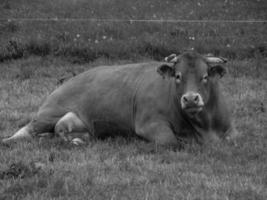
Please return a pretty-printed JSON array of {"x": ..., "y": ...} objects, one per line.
[{"x": 192, "y": 102}]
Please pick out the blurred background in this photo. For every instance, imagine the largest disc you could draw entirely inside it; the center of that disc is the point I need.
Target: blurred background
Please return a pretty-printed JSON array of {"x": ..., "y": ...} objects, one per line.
[{"x": 82, "y": 31}]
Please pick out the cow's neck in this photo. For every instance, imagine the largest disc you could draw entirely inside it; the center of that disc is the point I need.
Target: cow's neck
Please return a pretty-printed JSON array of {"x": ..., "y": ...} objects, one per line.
[
  {"x": 197, "y": 125},
  {"x": 202, "y": 122},
  {"x": 199, "y": 122}
]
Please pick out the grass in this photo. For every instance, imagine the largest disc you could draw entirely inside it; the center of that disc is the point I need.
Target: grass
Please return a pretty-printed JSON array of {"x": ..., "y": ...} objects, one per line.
[
  {"x": 84, "y": 41},
  {"x": 123, "y": 168}
]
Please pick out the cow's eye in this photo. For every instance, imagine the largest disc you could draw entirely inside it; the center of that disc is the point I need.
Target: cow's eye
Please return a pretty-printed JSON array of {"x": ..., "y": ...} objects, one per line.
[
  {"x": 205, "y": 78},
  {"x": 178, "y": 77}
]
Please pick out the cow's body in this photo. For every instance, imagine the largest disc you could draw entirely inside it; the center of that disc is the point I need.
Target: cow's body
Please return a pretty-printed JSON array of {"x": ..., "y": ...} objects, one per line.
[
  {"x": 129, "y": 99},
  {"x": 103, "y": 98}
]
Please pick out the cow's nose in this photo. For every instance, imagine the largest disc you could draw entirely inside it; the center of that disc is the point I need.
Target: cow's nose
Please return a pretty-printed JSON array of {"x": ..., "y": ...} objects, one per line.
[{"x": 191, "y": 99}]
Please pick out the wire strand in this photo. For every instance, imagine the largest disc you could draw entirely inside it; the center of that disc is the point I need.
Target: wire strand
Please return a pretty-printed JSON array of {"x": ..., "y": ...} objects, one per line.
[{"x": 132, "y": 20}]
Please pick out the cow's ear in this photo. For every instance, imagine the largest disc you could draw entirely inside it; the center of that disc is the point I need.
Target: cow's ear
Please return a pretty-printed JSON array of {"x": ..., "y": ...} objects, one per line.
[
  {"x": 216, "y": 65},
  {"x": 217, "y": 70},
  {"x": 215, "y": 60},
  {"x": 173, "y": 58},
  {"x": 166, "y": 70}
]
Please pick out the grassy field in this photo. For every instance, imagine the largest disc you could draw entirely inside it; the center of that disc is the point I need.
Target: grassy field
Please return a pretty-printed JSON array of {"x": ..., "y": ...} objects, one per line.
[
  {"x": 34, "y": 55},
  {"x": 123, "y": 168}
]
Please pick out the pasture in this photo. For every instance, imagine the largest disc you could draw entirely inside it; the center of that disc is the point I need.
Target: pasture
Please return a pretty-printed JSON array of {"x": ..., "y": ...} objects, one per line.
[{"x": 34, "y": 55}]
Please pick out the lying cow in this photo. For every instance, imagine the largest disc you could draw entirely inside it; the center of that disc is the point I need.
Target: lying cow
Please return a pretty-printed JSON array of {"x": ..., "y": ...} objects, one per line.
[{"x": 159, "y": 102}]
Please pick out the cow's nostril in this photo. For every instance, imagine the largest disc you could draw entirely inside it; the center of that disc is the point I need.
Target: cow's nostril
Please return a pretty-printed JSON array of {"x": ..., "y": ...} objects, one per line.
[
  {"x": 196, "y": 99},
  {"x": 185, "y": 99}
]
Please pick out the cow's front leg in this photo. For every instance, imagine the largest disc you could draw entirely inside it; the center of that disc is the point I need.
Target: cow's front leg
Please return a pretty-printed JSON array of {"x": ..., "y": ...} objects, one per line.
[{"x": 158, "y": 132}]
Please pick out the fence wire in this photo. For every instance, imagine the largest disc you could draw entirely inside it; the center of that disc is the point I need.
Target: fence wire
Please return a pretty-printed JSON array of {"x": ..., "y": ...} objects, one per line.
[{"x": 133, "y": 20}]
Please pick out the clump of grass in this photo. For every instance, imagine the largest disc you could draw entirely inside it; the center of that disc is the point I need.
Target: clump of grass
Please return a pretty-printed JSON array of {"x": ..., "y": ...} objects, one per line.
[
  {"x": 9, "y": 27},
  {"x": 6, "y": 4},
  {"x": 13, "y": 49},
  {"x": 25, "y": 73},
  {"x": 58, "y": 188},
  {"x": 248, "y": 194},
  {"x": 39, "y": 47}
]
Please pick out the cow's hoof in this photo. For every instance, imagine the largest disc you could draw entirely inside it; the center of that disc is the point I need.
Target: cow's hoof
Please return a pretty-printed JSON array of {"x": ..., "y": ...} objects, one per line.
[
  {"x": 77, "y": 141},
  {"x": 6, "y": 141}
]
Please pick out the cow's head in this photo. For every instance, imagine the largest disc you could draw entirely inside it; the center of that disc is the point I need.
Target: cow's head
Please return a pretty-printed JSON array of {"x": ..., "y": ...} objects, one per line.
[{"x": 193, "y": 75}]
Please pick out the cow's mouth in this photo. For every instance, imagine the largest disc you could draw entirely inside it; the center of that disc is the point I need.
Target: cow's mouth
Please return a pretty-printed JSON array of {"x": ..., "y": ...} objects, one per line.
[{"x": 193, "y": 110}]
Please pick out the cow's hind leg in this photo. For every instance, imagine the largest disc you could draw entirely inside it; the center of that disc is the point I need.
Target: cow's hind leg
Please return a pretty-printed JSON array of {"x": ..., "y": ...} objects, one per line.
[
  {"x": 41, "y": 124},
  {"x": 69, "y": 126},
  {"x": 31, "y": 130}
]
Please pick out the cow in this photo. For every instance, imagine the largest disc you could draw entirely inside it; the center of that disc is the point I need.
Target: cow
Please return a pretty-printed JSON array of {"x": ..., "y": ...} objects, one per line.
[{"x": 161, "y": 102}]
